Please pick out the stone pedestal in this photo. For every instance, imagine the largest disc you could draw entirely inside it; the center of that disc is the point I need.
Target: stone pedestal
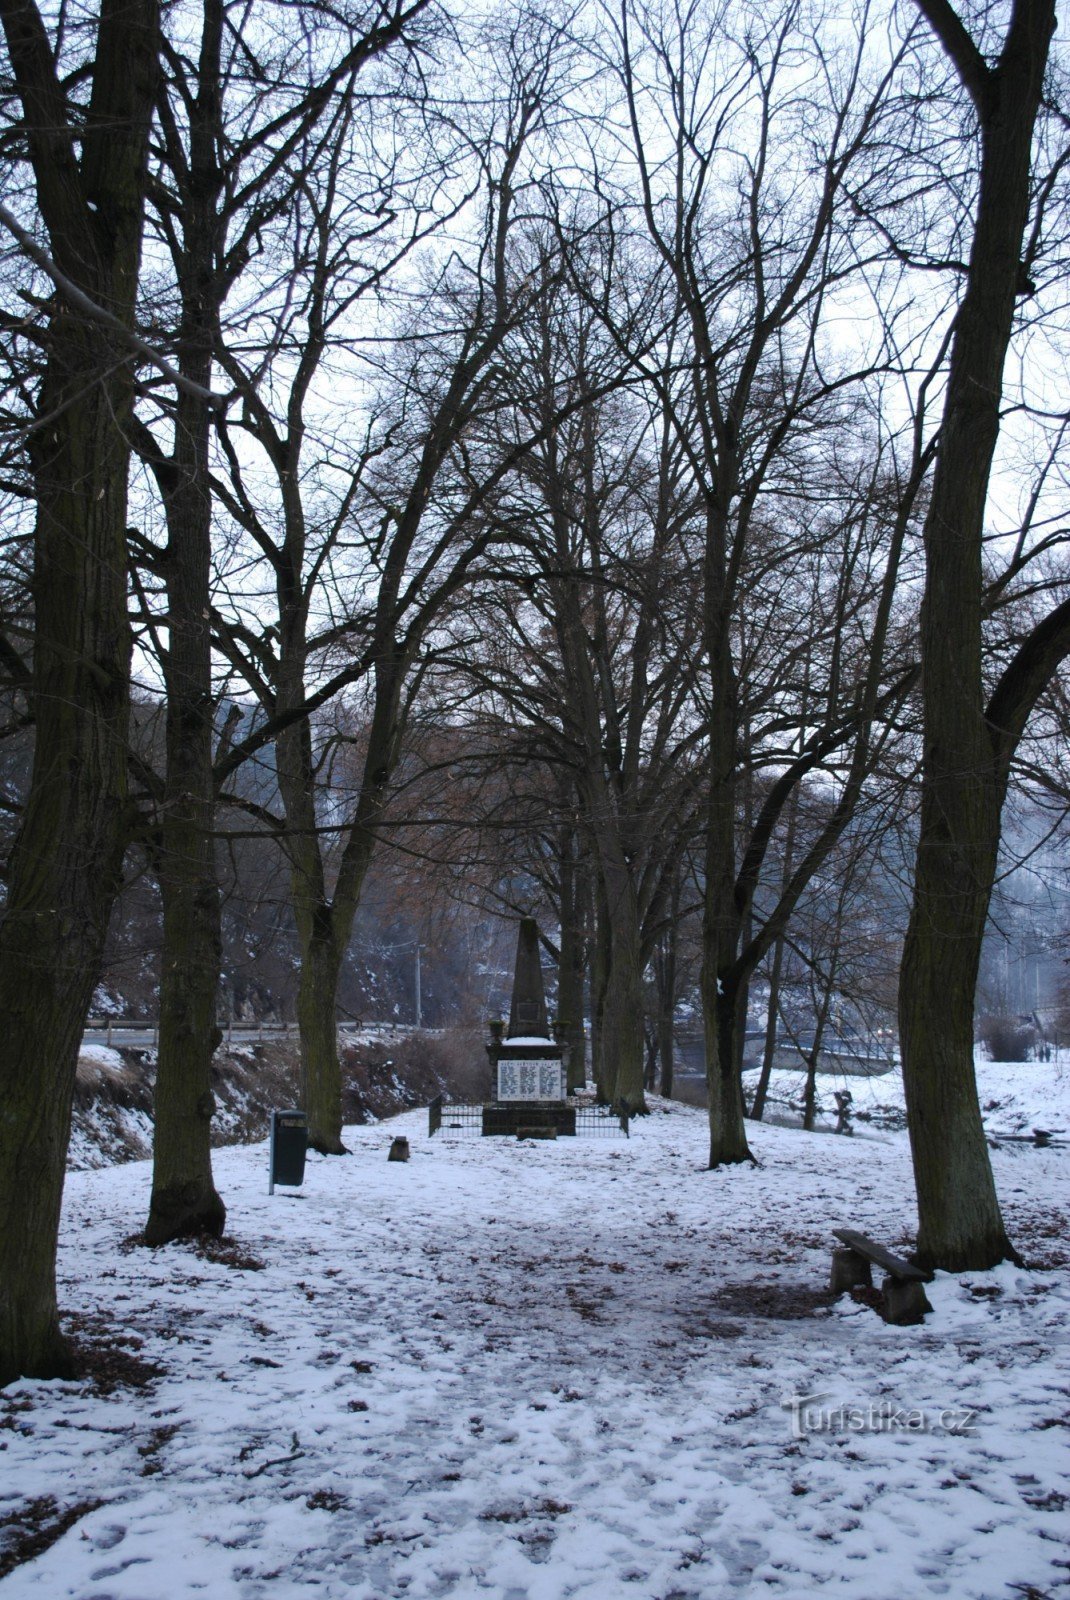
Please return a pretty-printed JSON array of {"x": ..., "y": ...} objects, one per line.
[
  {"x": 849, "y": 1271},
  {"x": 905, "y": 1302}
]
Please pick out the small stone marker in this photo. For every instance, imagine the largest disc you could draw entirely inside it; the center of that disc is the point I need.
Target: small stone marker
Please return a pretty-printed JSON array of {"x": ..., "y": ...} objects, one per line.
[
  {"x": 289, "y": 1143},
  {"x": 399, "y": 1150}
]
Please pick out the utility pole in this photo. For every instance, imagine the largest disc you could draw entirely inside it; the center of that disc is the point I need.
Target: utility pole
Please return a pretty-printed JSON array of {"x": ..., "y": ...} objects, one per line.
[{"x": 419, "y": 1009}]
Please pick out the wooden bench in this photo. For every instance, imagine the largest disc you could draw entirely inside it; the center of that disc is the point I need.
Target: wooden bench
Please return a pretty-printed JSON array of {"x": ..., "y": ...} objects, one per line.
[{"x": 903, "y": 1298}]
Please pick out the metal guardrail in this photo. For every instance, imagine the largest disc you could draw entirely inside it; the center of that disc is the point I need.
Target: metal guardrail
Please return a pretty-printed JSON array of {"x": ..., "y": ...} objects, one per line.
[{"x": 253, "y": 1030}]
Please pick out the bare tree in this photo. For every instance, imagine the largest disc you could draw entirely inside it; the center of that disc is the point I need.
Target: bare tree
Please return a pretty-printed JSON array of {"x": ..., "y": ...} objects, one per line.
[
  {"x": 356, "y": 591},
  {"x": 85, "y": 112},
  {"x": 585, "y": 638},
  {"x": 744, "y": 176},
  {"x": 969, "y": 741},
  {"x": 240, "y": 128}
]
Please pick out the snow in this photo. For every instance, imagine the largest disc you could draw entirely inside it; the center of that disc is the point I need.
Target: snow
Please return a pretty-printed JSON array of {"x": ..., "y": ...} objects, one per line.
[
  {"x": 100, "y": 1055},
  {"x": 103, "y": 1135},
  {"x": 532, "y": 1370},
  {"x": 1015, "y": 1096}
]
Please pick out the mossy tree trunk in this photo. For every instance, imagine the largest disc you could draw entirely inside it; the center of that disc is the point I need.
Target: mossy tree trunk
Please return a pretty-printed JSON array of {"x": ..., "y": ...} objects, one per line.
[
  {"x": 617, "y": 978},
  {"x": 66, "y": 865},
  {"x": 813, "y": 1056},
  {"x": 960, "y": 1223}
]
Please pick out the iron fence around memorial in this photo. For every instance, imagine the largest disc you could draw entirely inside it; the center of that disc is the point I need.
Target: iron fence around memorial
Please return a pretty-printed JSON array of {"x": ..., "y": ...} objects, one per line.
[{"x": 466, "y": 1119}]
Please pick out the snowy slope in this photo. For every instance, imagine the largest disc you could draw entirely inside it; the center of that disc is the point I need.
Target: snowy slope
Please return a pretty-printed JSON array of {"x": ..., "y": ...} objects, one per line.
[
  {"x": 1015, "y": 1096},
  {"x": 382, "y": 1073},
  {"x": 541, "y": 1370}
]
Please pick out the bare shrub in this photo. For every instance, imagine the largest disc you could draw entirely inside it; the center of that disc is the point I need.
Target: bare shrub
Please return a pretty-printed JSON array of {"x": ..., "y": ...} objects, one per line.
[{"x": 1006, "y": 1038}]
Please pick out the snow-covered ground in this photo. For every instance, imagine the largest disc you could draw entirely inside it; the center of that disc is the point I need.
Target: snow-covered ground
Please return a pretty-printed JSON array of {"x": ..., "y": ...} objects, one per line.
[
  {"x": 535, "y": 1370},
  {"x": 1016, "y": 1096}
]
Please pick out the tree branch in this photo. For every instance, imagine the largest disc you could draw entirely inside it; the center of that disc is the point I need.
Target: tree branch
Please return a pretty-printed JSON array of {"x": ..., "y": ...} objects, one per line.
[
  {"x": 960, "y": 50},
  {"x": 82, "y": 302},
  {"x": 1024, "y": 680}
]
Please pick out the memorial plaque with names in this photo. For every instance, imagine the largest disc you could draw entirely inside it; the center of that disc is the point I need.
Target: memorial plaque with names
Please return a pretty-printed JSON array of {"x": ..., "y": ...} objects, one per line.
[{"x": 531, "y": 1080}]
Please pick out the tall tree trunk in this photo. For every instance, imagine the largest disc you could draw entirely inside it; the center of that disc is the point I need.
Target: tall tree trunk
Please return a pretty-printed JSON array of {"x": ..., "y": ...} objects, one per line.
[
  {"x": 728, "y": 1136},
  {"x": 757, "y": 1110},
  {"x": 68, "y": 858},
  {"x": 317, "y": 936},
  {"x": 665, "y": 972},
  {"x": 960, "y": 1223},
  {"x": 317, "y": 1014},
  {"x": 184, "y": 1199},
  {"x": 721, "y": 919},
  {"x": 761, "y": 1093},
  {"x": 622, "y": 1006},
  {"x": 67, "y": 861},
  {"x": 666, "y": 1054},
  {"x": 324, "y": 922},
  {"x": 603, "y": 1078},
  {"x": 820, "y": 1023},
  {"x": 572, "y": 962}
]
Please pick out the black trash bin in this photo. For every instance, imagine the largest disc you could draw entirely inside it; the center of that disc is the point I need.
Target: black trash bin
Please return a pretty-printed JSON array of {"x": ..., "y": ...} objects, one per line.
[{"x": 289, "y": 1141}]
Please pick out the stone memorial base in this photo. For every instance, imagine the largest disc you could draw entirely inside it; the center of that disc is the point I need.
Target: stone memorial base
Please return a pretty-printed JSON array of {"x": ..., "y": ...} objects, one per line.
[{"x": 528, "y": 1119}]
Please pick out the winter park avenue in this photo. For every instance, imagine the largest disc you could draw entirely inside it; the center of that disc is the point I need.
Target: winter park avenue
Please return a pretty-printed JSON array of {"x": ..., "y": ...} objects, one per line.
[
  {"x": 539, "y": 1369},
  {"x": 534, "y": 800}
]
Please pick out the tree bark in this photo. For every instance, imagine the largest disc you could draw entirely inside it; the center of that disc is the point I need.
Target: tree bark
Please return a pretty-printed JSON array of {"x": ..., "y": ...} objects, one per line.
[
  {"x": 728, "y": 1136},
  {"x": 572, "y": 963},
  {"x": 665, "y": 972},
  {"x": 757, "y": 1110},
  {"x": 317, "y": 935},
  {"x": 184, "y": 1199},
  {"x": 325, "y": 921},
  {"x": 722, "y": 920},
  {"x": 321, "y": 1071},
  {"x": 599, "y": 973},
  {"x": 960, "y": 1223},
  {"x": 67, "y": 861},
  {"x": 622, "y": 1001}
]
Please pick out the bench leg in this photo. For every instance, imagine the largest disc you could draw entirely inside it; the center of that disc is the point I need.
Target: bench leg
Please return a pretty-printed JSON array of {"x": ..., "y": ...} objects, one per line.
[
  {"x": 905, "y": 1301},
  {"x": 849, "y": 1271}
]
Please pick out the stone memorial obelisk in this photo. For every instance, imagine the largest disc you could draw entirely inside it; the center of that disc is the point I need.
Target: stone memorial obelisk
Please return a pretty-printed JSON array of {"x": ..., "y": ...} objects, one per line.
[
  {"x": 528, "y": 1018},
  {"x": 529, "y": 1065}
]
